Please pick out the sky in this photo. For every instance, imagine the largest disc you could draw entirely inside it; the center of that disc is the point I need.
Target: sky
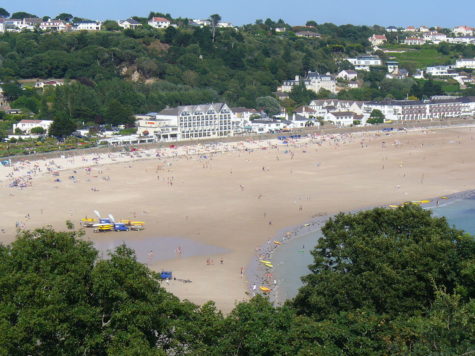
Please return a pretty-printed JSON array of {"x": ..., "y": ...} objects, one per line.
[{"x": 239, "y": 12}]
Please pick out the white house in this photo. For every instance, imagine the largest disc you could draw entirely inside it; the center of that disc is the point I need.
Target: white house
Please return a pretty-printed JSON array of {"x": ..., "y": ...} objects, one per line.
[
  {"x": 435, "y": 37},
  {"x": 2, "y": 25},
  {"x": 130, "y": 23},
  {"x": 414, "y": 41},
  {"x": 392, "y": 66},
  {"x": 241, "y": 118},
  {"x": 365, "y": 62},
  {"x": 88, "y": 26},
  {"x": 392, "y": 29},
  {"x": 424, "y": 29},
  {"x": 312, "y": 81},
  {"x": 377, "y": 40},
  {"x": 225, "y": 25},
  {"x": 347, "y": 74},
  {"x": 440, "y": 71},
  {"x": 410, "y": 29},
  {"x": 269, "y": 125},
  {"x": 27, "y": 125},
  {"x": 462, "y": 31},
  {"x": 341, "y": 118},
  {"x": 465, "y": 63},
  {"x": 461, "y": 40},
  {"x": 201, "y": 23},
  {"x": 159, "y": 22},
  {"x": 53, "y": 25},
  {"x": 51, "y": 83}
]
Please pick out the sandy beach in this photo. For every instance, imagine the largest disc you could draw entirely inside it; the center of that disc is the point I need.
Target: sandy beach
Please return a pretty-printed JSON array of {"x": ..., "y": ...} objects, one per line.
[{"x": 223, "y": 201}]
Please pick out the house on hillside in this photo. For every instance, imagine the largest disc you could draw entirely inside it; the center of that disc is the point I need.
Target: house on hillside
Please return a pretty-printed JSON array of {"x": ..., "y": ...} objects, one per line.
[
  {"x": 435, "y": 37},
  {"x": 51, "y": 83},
  {"x": 53, "y": 25},
  {"x": 347, "y": 74},
  {"x": 377, "y": 40},
  {"x": 365, "y": 62},
  {"x": 414, "y": 41},
  {"x": 87, "y": 26},
  {"x": 410, "y": 29},
  {"x": 440, "y": 71},
  {"x": 26, "y": 125},
  {"x": 130, "y": 23},
  {"x": 307, "y": 34},
  {"x": 159, "y": 22},
  {"x": 392, "y": 29},
  {"x": 463, "y": 31},
  {"x": 312, "y": 81},
  {"x": 424, "y": 29},
  {"x": 465, "y": 63}
]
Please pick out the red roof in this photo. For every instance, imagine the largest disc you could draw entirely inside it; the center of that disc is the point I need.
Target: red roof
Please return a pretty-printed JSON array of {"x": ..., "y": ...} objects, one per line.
[
  {"x": 160, "y": 19},
  {"x": 30, "y": 121},
  {"x": 379, "y": 37}
]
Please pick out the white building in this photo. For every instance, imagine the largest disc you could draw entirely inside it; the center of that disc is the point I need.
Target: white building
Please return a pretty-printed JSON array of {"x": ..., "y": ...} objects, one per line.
[
  {"x": 377, "y": 40},
  {"x": 440, "y": 71},
  {"x": 347, "y": 74},
  {"x": 201, "y": 23},
  {"x": 268, "y": 125},
  {"x": 2, "y": 25},
  {"x": 465, "y": 63},
  {"x": 414, "y": 41},
  {"x": 461, "y": 40},
  {"x": 225, "y": 25},
  {"x": 341, "y": 118},
  {"x": 462, "y": 31},
  {"x": 241, "y": 118},
  {"x": 51, "y": 83},
  {"x": 435, "y": 37},
  {"x": 365, "y": 62},
  {"x": 188, "y": 122},
  {"x": 53, "y": 25},
  {"x": 312, "y": 81},
  {"x": 438, "y": 108},
  {"x": 88, "y": 26},
  {"x": 424, "y": 29},
  {"x": 392, "y": 66},
  {"x": 27, "y": 125},
  {"x": 130, "y": 23},
  {"x": 159, "y": 22},
  {"x": 392, "y": 29}
]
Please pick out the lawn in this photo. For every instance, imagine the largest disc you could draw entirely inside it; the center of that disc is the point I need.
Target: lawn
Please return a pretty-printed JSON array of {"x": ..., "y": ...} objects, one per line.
[{"x": 421, "y": 57}]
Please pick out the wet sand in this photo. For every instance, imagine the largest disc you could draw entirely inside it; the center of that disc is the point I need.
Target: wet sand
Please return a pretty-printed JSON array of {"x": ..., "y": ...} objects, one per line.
[{"x": 236, "y": 200}]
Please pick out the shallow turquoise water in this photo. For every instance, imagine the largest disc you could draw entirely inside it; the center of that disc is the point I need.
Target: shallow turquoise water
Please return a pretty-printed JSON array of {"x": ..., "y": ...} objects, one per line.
[{"x": 291, "y": 260}]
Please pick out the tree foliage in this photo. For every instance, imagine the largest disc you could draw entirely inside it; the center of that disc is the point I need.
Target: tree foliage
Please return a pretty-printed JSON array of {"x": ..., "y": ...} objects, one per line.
[{"x": 390, "y": 261}]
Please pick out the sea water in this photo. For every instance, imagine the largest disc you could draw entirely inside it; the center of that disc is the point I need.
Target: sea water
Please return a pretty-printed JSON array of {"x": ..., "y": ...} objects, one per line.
[{"x": 291, "y": 261}]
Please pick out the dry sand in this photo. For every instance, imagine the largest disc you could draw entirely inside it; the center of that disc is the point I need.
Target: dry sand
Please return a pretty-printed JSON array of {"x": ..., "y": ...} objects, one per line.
[{"x": 237, "y": 200}]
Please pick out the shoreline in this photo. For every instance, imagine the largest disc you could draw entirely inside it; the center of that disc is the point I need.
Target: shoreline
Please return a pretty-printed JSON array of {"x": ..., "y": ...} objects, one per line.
[{"x": 256, "y": 273}]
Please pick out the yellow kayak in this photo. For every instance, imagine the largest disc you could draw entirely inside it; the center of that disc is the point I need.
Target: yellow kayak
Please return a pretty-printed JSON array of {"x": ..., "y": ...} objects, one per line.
[
  {"x": 278, "y": 242},
  {"x": 393, "y": 206},
  {"x": 88, "y": 220},
  {"x": 444, "y": 198},
  {"x": 268, "y": 265},
  {"x": 264, "y": 262},
  {"x": 265, "y": 289}
]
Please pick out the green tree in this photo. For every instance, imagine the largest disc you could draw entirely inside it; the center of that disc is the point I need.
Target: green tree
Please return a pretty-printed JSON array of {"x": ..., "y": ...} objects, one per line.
[
  {"x": 22, "y": 15},
  {"x": 4, "y": 13},
  {"x": 110, "y": 25},
  {"x": 58, "y": 298},
  {"x": 38, "y": 130},
  {"x": 376, "y": 117},
  {"x": 64, "y": 17},
  {"x": 301, "y": 95},
  {"x": 389, "y": 261},
  {"x": 62, "y": 127},
  {"x": 268, "y": 104},
  {"x": 214, "y": 20}
]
